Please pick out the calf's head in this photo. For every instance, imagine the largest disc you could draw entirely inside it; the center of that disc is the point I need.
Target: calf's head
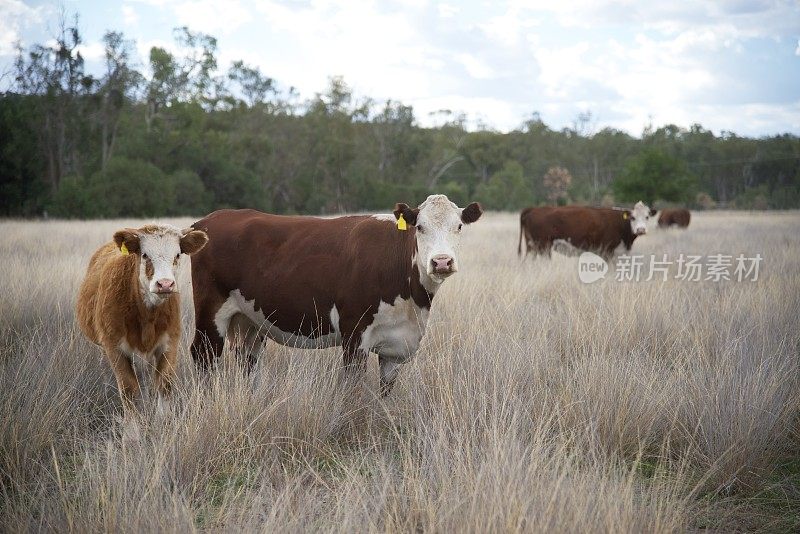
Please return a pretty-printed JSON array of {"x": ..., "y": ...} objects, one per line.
[
  {"x": 438, "y": 224},
  {"x": 639, "y": 217},
  {"x": 158, "y": 249}
]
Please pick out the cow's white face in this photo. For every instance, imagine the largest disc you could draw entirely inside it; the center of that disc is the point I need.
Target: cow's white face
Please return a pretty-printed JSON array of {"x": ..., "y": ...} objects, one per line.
[
  {"x": 438, "y": 225},
  {"x": 159, "y": 248},
  {"x": 639, "y": 217}
]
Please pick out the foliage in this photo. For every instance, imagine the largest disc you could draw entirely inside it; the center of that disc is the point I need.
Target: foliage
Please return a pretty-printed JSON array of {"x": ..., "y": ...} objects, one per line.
[
  {"x": 556, "y": 182},
  {"x": 654, "y": 176},
  {"x": 238, "y": 138}
]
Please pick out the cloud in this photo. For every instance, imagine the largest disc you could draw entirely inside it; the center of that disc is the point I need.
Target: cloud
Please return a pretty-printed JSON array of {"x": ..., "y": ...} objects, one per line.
[
  {"x": 129, "y": 15},
  {"x": 14, "y": 17},
  {"x": 92, "y": 51},
  {"x": 797, "y": 50}
]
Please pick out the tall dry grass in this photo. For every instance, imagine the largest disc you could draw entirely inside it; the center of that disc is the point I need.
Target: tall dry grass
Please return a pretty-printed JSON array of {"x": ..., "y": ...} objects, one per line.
[{"x": 535, "y": 403}]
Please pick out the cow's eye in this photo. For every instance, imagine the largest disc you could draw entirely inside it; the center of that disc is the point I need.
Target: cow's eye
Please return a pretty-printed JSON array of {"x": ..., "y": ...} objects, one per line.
[
  {"x": 419, "y": 229},
  {"x": 460, "y": 226},
  {"x": 177, "y": 256},
  {"x": 144, "y": 256}
]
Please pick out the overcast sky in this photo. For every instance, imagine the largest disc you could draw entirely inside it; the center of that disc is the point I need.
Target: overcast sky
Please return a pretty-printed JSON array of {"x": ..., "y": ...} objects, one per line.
[{"x": 729, "y": 65}]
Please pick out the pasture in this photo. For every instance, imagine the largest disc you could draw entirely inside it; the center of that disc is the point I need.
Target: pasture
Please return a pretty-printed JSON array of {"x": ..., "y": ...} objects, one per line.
[{"x": 535, "y": 403}]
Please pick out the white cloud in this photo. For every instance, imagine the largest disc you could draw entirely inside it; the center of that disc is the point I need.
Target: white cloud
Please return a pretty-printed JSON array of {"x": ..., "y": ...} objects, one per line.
[
  {"x": 129, "y": 15},
  {"x": 14, "y": 16},
  {"x": 447, "y": 11},
  {"x": 797, "y": 50},
  {"x": 92, "y": 51},
  {"x": 475, "y": 66},
  {"x": 210, "y": 16}
]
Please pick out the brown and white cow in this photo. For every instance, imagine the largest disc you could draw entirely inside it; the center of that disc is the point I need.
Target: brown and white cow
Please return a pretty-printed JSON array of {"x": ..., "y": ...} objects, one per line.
[
  {"x": 596, "y": 229},
  {"x": 363, "y": 282},
  {"x": 128, "y": 303},
  {"x": 674, "y": 217}
]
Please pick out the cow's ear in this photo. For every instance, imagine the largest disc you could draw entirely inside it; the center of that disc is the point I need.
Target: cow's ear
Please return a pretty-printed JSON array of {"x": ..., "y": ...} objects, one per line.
[
  {"x": 127, "y": 240},
  {"x": 653, "y": 212},
  {"x": 409, "y": 215},
  {"x": 471, "y": 213},
  {"x": 193, "y": 240}
]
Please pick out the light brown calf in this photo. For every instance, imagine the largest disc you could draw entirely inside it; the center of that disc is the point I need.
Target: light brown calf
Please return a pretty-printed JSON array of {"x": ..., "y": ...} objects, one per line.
[{"x": 128, "y": 303}]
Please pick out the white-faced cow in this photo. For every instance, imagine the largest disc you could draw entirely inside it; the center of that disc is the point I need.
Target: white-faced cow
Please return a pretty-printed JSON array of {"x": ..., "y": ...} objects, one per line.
[
  {"x": 363, "y": 282},
  {"x": 585, "y": 228},
  {"x": 128, "y": 302}
]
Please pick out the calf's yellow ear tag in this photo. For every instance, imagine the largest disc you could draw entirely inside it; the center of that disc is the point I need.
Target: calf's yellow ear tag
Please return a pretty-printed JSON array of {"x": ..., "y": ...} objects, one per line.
[
  {"x": 123, "y": 249},
  {"x": 401, "y": 223},
  {"x": 625, "y": 215}
]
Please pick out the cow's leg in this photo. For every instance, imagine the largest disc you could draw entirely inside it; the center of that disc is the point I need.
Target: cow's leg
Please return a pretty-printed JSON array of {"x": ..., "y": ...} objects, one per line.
[
  {"x": 389, "y": 371},
  {"x": 127, "y": 382},
  {"x": 244, "y": 340},
  {"x": 128, "y": 388},
  {"x": 206, "y": 347},
  {"x": 354, "y": 357},
  {"x": 166, "y": 369},
  {"x": 208, "y": 338}
]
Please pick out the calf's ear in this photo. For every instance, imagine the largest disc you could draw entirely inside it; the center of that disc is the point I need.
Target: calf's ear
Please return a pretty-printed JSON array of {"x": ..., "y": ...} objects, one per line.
[
  {"x": 193, "y": 240},
  {"x": 409, "y": 215},
  {"x": 471, "y": 213},
  {"x": 128, "y": 237}
]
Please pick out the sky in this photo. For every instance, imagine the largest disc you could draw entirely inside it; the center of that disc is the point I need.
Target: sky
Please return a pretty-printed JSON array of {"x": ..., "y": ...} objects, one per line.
[{"x": 730, "y": 65}]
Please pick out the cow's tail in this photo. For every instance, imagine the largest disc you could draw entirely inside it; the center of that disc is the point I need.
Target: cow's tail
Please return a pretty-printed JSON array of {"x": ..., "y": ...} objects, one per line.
[{"x": 519, "y": 245}]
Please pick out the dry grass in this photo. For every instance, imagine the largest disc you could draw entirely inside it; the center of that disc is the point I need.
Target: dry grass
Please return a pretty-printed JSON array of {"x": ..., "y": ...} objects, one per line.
[{"x": 536, "y": 403}]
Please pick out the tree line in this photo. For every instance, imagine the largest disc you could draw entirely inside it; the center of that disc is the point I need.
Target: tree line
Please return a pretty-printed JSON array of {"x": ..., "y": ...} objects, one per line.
[{"x": 182, "y": 137}]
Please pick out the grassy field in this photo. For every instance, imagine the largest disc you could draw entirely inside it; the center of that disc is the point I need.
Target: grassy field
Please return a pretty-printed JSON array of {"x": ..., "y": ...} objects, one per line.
[{"x": 536, "y": 403}]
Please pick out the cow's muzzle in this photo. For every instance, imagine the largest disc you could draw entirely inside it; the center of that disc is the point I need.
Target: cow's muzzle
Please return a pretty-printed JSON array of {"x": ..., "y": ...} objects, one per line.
[
  {"x": 641, "y": 231},
  {"x": 165, "y": 286},
  {"x": 442, "y": 265}
]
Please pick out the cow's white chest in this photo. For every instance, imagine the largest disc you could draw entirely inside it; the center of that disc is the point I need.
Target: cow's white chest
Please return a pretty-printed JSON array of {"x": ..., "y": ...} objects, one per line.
[{"x": 396, "y": 330}]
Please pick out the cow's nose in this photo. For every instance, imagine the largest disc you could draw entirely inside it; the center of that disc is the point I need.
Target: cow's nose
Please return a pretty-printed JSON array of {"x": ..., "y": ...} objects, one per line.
[
  {"x": 165, "y": 285},
  {"x": 442, "y": 263},
  {"x": 641, "y": 231}
]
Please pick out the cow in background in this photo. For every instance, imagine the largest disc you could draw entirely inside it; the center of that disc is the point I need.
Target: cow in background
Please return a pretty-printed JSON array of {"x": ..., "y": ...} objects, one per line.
[
  {"x": 674, "y": 217},
  {"x": 599, "y": 230}
]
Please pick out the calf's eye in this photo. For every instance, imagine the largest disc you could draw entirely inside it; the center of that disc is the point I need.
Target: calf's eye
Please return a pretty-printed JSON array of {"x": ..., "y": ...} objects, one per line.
[
  {"x": 419, "y": 229},
  {"x": 459, "y": 227}
]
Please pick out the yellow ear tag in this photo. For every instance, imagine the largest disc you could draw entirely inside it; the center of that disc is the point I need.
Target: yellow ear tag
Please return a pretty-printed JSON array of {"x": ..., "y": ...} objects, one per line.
[
  {"x": 625, "y": 215},
  {"x": 123, "y": 249},
  {"x": 401, "y": 223}
]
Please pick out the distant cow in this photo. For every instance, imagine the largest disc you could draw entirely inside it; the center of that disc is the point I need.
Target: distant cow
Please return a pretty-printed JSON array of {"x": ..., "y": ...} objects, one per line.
[
  {"x": 596, "y": 229},
  {"x": 128, "y": 302},
  {"x": 363, "y": 282},
  {"x": 677, "y": 217}
]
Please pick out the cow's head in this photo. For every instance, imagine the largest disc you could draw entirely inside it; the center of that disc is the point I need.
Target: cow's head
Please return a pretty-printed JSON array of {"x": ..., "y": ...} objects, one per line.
[
  {"x": 438, "y": 225},
  {"x": 158, "y": 249},
  {"x": 638, "y": 217}
]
